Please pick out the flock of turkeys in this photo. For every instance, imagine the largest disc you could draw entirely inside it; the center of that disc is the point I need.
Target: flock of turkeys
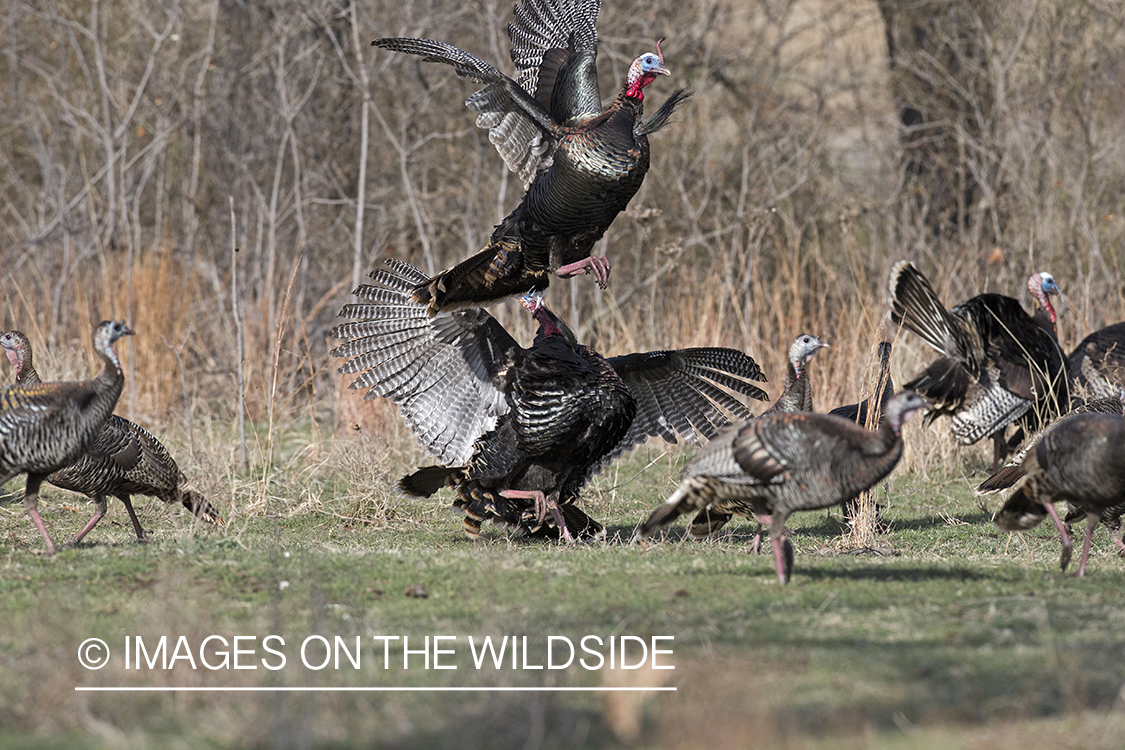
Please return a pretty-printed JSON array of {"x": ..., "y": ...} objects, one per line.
[{"x": 517, "y": 432}]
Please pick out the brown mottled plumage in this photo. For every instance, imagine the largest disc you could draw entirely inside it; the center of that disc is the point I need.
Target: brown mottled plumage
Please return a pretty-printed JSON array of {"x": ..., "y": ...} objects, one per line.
[
  {"x": 124, "y": 459},
  {"x": 776, "y": 464},
  {"x": 1079, "y": 460},
  {"x": 795, "y": 396},
  {"x": 48, "y": 426},
  {"x": 520, "y": 431},
  {"x": 582, "y": 164}
]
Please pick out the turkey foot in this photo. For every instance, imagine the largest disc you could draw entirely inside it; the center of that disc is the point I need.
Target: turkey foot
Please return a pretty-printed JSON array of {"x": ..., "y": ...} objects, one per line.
[
  {"x": 756, "y": 542},
  {"x": 141, "y": 536},
  {"x": 596, "y": 265},
  {"x": 782, "y": 557},
  {"x": 541, "y": 508}
]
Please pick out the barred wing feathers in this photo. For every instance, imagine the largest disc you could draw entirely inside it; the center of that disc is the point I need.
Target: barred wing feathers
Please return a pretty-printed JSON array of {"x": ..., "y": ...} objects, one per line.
[
  {"x": 555, "y": 43},
  {"x": 518, "y": 126},
  {"x": 440, "y": 370},
  {"x": 686, "y": 393}
]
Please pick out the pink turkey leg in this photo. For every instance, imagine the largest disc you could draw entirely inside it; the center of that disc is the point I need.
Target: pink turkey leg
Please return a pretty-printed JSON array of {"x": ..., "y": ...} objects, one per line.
[{"x": 596, "y": 265}]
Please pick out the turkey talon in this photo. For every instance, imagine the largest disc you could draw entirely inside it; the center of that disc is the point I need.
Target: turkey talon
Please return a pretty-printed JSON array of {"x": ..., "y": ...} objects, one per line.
[{"x": 596, "y": 265}]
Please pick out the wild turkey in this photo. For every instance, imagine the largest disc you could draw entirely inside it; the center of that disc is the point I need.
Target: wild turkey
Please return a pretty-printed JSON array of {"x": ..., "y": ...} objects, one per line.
[
  {"x": 520, "y": 431},
  {"x": 583, "y": 165},
  {"x": 776, "y": 464},
  {"x": 1013, "y": 471},
  {"x": 865, "y": 416},
  {"x": 1080, "y": 460},
  {"x": 125, "y": 459},
  {"x": 48, "y": 426},
  {"x": 795, "y": 396},
  {"x": 998, "y": 364},
  {"x": 1097, "y": 365}
]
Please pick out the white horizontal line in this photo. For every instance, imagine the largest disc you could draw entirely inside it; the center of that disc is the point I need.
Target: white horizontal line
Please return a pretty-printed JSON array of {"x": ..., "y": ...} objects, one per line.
[{"x": 373, "y": 689}]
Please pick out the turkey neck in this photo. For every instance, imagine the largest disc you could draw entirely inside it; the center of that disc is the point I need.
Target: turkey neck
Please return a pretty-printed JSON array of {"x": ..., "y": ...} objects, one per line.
[{"x": 105, "y": 386}]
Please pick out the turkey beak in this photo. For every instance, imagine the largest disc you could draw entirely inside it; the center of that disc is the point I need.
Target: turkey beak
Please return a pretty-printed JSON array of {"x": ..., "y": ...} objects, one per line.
[{"x": 661, "y": 71}]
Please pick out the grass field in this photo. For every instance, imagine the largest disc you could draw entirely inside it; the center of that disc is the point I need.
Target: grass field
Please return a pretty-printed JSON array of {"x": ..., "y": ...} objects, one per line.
[{"x": 945, "y": 633}]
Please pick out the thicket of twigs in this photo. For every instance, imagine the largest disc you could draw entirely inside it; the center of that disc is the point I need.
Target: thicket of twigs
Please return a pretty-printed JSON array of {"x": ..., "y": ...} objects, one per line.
[{"x": 142, "y": 142}]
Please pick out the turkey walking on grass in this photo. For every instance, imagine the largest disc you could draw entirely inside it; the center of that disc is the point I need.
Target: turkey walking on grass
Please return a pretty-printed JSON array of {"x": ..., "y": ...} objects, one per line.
[
  {"x": 520, "y": 431},
  {"x": 48, "y": 426},
  {"x": 776, "y": 464},
  {"x": 1079, "y": 460},
  {"x": 124, "y": 460},
  {"x": 797, "y": 395}
]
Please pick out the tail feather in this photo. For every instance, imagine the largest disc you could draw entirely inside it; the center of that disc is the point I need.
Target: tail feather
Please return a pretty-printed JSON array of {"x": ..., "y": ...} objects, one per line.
[
  {"x": 499, "y": 270},
  {"x": 427, "y": 480},
  {"x": 200, "y": 506},
  {"x": 1004, "y": 479},
  {"x": 672, "y": 509},
  {"x": 916, "y": 307}
]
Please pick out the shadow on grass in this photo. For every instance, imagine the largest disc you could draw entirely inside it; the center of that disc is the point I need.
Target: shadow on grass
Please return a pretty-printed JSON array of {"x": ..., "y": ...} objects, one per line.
[
  {"x": 917, "y": 524},
  {"x": 897, "y": 573}
]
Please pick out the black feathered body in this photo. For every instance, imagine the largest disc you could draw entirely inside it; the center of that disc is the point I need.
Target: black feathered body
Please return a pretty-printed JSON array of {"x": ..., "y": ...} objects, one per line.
[
  {"x": 502, "y": 418},
  {"x": 998, "y": 364},
  {"x": 582, "y": 165},
  {"x": 598, "y": 167},
  {"x": 1096, "y": 367},
  {"x": 567, "y": 409}
]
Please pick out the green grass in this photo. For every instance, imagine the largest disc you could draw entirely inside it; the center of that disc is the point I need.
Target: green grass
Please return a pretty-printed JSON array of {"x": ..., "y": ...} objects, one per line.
[{"x": 949, "y": 633}]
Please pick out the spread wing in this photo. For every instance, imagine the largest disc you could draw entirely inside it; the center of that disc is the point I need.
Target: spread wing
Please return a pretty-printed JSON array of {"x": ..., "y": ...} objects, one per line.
[
  {"x": 519, "y": 126},
  {"x": 554, "y": 47},
  {"x": 689, "y": 392},
  {"x": 442, "y": 371}
]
